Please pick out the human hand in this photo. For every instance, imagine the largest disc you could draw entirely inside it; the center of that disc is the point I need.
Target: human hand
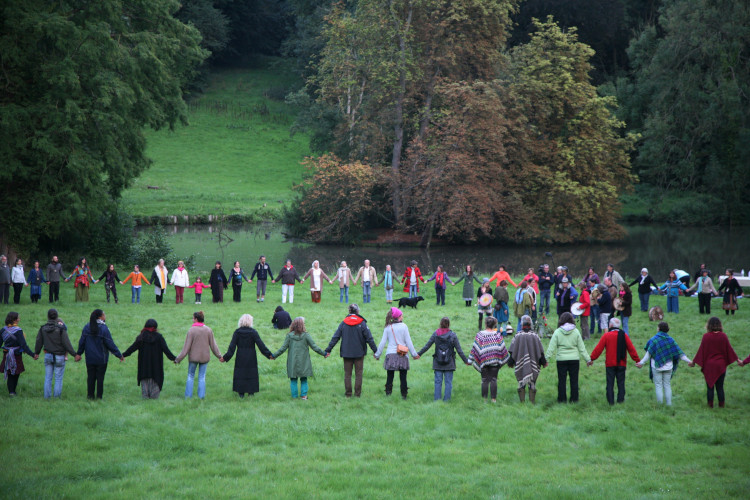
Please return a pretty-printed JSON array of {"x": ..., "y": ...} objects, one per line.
[
  {"x": 589, "y": 363},
  {"x": 77, "y": 358},
  {"x": 67, "y": 279},
  {"x": 328, "y": 354},
  {"x": 546, "y": 365},
  {"x": 468, "y": 363},
  {"x": 271, "y": 358},
  {"x": 417, "y": 356},
  {"x": 221, "y": 359},
  {"x": 36, "y": 356},
  {"x": 691, "y": 364},
  {"x": 122, "y": 283},
  {"x": 122, "y": 359},
  {"x": 273, "y": 281},
  {"x": 639, "y": 365},
  {"x": 249, "y": 281},
  {"x": 740, "y": 363},
  {"x": 176, "y": 362}
]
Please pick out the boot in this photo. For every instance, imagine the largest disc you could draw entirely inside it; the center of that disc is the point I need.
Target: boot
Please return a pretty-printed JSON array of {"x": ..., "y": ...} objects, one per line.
[
  {"x": 388, "y": 389},
  {"x": 404, "y": 392},
  {"x": 721, "y": 404},
  {"x": 710, "y": 404},
  {"x": 522, "y": 394},
  {"x": 532, "y": 396},
  {"x": 480, "y": 322}
]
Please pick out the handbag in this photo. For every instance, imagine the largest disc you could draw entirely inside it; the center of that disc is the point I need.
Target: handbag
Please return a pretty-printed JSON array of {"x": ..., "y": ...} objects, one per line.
[{"x": 401, "y": 350}]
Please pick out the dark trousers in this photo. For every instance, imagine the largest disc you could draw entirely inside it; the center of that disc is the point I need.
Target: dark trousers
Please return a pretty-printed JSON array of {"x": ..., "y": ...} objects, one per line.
[
  {"x": 113, "y": 289},
  {"x": 565, "y": 369},
  {"x": 96, "y": 380},
  {"x": 160, "y": 296},
  {"x": 389, "y": 381},
  {"x": 217, "y": 291},
  {"x": 615, "y": 372},
  {"x": 237, "y": 289},
  {"x": 13, "y": 383},
  {"x": 704, "y": 303},
  {"x": 358, "y": 364},
  {"x": 643, "y": 297},
  {"x": 54, "y": 291},
  {"x": 4, "y": 292},
  {"x": 489, "y": 381},
  {"x": 17, "y": 289},
  {"x": 709, "y": 390},
  {"x": 440, "y": 294}
]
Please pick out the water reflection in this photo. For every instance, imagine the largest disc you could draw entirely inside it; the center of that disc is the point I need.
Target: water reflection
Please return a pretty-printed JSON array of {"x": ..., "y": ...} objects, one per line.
[{"x": 658, "y": 248}]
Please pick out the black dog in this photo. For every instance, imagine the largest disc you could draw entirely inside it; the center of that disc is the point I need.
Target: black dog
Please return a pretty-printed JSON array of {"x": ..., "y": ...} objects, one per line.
[{"x": 409, "y": 301}]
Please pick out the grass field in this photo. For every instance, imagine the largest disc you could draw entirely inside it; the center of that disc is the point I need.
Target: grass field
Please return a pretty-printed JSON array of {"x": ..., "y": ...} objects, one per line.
[
  {"x": 373, "y": 447},
  {"x": 236, "y": 154}
]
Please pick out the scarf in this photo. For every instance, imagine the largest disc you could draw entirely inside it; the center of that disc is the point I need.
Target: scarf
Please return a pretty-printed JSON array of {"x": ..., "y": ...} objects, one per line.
[
  {"x": 440, "y": 280},
  {"x": 622, "y": 345},
  {"x": 388, "y": 280},
  {"x": 643, "y": 278},
  {"x": 343, "y": 275},
  {"x": 526, "y": 351},
  {"x": 519, "y": 295},
  {"x": 663, "y": 349},
  {"x": 10, "y": 360}
]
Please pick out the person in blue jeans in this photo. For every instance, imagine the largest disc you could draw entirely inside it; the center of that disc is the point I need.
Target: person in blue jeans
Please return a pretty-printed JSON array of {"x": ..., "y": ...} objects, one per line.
[
  {"x": 644, "y": 282},
  {"x": 369, "y": 279},
  {"x": 199, "y": 344},
  {"x": 546, "y": 282},
  {"x": 444, "y": 360},
  {"x": 53, "y": 338},
  {"x": 673, "y": 286},
  {"x": 345, "y": 279}
]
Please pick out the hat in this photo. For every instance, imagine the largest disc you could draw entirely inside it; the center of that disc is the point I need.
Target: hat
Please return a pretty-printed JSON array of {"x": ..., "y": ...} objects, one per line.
[
  {"x": 564, "y": 280},
  {"x": 396, "y": 312},
  {"x": 485, "y": 280},
  {"x": 644, "y": 270}
]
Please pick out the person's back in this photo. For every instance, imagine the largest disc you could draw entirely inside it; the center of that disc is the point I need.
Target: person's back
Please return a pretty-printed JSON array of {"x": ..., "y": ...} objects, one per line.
[
  {"x": 97, "y": 345},
  {"x": 354, "y": 336},
  {"x": 567, "y": 341},
  {"x": 199, "y": 344},
  {"x": 281, "y": 319},
  {"x": 53, "y": 337}
]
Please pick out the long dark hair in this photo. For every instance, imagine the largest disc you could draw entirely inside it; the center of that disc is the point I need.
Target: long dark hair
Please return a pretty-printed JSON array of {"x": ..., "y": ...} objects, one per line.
[
  {"x": 11, "y": 318},
  {"x": 565, "y": 317},
  {"x": 93, "y": 325},
  {"x": 150, "y": 326}
]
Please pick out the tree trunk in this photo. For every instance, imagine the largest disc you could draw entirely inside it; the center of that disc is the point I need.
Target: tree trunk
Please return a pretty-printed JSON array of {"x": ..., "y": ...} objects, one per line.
[{"x": 398, "y": 125}]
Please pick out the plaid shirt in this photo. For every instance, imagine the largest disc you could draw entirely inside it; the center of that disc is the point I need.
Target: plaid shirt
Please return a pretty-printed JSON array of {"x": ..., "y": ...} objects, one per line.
[{"x": 663, "y": 349}]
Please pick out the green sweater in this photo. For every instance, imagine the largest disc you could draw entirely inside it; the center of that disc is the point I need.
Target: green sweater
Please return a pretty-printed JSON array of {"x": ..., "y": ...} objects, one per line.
[
  {"x": 567, "y": 344},
  {"x": 298, "y": 363}
]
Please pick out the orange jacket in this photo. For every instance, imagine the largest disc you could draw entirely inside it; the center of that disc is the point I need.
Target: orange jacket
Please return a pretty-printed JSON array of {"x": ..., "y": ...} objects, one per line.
[
  {"x": 500, "y": 276},
  {"x": 136, "y": 278}
]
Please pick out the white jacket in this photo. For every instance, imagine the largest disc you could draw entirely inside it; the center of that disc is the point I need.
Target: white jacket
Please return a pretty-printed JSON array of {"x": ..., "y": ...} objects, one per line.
[
  {"x": 180, "y": 278},
  {"x": 157, "y": 281},
  {"x": 17, "y": 275}
]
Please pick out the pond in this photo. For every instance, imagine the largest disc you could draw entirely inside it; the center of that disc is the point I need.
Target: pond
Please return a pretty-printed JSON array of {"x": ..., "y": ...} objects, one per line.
[{"x": 659, "y": 248}]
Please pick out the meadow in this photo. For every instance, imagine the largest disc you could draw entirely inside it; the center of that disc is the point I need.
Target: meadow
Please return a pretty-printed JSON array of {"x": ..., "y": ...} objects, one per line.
[
  {"x": 236, "y": 156},
  {"x": 373, "y": 447}
]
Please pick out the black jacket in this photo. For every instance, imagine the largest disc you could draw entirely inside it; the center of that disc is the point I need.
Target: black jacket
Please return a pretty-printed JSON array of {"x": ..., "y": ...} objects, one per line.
[
  {"x": 281, "y": 320},
  {"x": 646, "y": 286},
  {"x": 355, "y": 337},
  {"x": 448, "y": 341},
  {"x": 53, "y": 337},
  {"x": 263, "y": 271},
  {"x": 546, "y": 284},
  {"x": 151, "y": 348},
  {"x": 218, "y": 278},
  {"x": 287, "y": 276},
  {"x": 245, "y": 378}
]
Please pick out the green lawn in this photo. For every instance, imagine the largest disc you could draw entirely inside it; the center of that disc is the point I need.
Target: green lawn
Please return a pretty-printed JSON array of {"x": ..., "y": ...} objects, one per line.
[
  {"x": 236, "y": 155},
  {"x": 270, "y": 446}
]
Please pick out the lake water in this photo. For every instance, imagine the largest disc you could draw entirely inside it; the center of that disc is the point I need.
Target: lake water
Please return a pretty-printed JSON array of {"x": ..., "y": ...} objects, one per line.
[{"x": 659, "y": 248}]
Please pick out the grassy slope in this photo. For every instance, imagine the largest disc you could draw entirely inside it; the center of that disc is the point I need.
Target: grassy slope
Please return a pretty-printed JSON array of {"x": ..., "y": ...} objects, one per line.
[
  {"x": 229, "y": 160},
  {"x": 374, "y": 447}
]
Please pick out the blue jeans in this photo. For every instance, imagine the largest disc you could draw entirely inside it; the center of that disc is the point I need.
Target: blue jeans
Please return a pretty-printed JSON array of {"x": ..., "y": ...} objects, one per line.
[
  {"x": 135, "y": 294},
  {"x": 201, "y": 380},
  {"x": 439, "y": 376},
  {"x": 366, "y": 288},
  {"x": 53, "y": 364},
  {"x": 545, "y": 295},
  {"x": 344, "y": 292},
  {"x": 643, "y": 297},
  {"x": 389, "y": 295},
  {"x": 595, "y": 319},
  {"x": 625, "y": 321},
  {"x": 413, "y": 291},
  {"x": 673, "y": 304},
  {"x": 526, "y": 312},
  {"x": 293, "y": 386}
]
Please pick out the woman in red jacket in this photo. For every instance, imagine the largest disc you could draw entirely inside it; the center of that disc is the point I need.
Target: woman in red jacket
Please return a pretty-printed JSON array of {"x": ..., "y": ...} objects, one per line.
[
  {"x": 714, "y": 355},
  {"x": 585, "y": 301},
  {"x": 618, "y": 346},
  {"x": 412, "y": 276}
]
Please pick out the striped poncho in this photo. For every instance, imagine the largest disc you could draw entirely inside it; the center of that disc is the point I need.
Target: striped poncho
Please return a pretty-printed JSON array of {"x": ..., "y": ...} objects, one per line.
[
  {"x": 528, "y": 355},
  {"x": 488, "y": 350}
]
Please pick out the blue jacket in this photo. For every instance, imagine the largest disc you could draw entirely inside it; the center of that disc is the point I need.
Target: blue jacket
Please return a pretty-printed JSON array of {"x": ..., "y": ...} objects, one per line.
[
  {"x": 36, "y": 278},
  {"x": 673, "y": 288},
  {"x": 97, "y": 347}
]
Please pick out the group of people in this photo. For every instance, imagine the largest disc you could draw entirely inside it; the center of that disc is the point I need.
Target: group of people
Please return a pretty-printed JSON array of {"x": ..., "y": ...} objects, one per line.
[{"x": 488, "y": 354}]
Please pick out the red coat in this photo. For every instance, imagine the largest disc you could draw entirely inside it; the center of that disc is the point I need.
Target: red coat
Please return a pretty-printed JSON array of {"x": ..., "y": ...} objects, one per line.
[
  {"x": 585, "y": 300},
  {"x": 407, "y": 278},
  {"x": 609, "y": 342},
  {"x": 714, "y": 355}
]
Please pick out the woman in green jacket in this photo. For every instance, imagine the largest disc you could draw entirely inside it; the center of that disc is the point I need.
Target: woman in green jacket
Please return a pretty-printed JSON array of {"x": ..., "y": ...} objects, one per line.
[
  {"x": 298, "y": 363},
  {"x": 470, "y": 277},
  {"x": 567, "y": 344}
]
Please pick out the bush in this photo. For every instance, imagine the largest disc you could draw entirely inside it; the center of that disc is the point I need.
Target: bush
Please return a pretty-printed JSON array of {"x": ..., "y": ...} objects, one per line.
[{"x": 154, "y": 245}]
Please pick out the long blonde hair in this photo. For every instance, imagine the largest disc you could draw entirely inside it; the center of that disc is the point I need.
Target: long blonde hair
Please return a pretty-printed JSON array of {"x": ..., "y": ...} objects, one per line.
[{"x": 298, "y": 325}]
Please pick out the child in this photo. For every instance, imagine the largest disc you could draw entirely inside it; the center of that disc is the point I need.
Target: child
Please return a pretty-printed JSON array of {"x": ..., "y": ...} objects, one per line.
[
  {"x": 665, "y": 354},
  {"x": 714, "y": 355},
  {"x": 137, "y": 276},
  {"x": 298, "y": 364},
  {"x": 199, "y": 286},
  {"x": 444, "y": 360}
]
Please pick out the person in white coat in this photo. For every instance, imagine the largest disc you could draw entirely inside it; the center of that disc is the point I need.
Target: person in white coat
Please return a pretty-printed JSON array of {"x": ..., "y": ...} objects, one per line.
[
  {"x": 160, "y": 280},
  {"x": 180, "y": 280}
]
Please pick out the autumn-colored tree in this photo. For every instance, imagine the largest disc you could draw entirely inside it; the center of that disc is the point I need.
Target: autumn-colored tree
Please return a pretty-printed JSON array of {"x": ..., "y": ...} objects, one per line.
[{"x": 337, "y": 200}]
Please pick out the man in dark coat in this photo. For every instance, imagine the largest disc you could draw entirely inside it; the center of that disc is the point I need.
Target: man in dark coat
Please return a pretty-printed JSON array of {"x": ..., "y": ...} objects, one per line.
[{"x": 355, "y": 337}]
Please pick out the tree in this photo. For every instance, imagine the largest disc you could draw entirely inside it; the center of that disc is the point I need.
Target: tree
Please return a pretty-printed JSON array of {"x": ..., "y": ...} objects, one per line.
[
  {"x": 79, "y": 81},
  {"x": 689, "y": 97}
]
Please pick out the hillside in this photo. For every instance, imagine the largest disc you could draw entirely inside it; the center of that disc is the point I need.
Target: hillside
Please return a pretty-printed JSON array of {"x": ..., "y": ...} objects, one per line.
[{"x": 236, "y": 154}]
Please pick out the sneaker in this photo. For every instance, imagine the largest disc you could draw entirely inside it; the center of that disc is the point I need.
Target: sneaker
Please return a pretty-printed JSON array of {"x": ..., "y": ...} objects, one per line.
[
  {"x": 257, "y": 300},
  {"x": 304, "y": 397}
]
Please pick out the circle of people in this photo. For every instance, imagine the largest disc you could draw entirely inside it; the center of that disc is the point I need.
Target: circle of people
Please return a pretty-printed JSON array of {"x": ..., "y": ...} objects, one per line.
[{"x": 599, "y": 301}]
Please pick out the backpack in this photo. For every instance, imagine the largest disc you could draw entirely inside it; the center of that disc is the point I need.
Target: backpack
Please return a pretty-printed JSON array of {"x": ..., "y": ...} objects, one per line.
[{"x": 444, "y": 353}]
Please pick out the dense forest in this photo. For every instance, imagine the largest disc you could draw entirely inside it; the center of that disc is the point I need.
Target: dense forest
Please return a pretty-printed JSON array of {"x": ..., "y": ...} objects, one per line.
[{"x": 465, "y": 120}]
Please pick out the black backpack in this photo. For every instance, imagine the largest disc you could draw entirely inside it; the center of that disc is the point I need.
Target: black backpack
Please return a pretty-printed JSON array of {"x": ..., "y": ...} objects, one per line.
[{"x": 444, "y": 353}]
